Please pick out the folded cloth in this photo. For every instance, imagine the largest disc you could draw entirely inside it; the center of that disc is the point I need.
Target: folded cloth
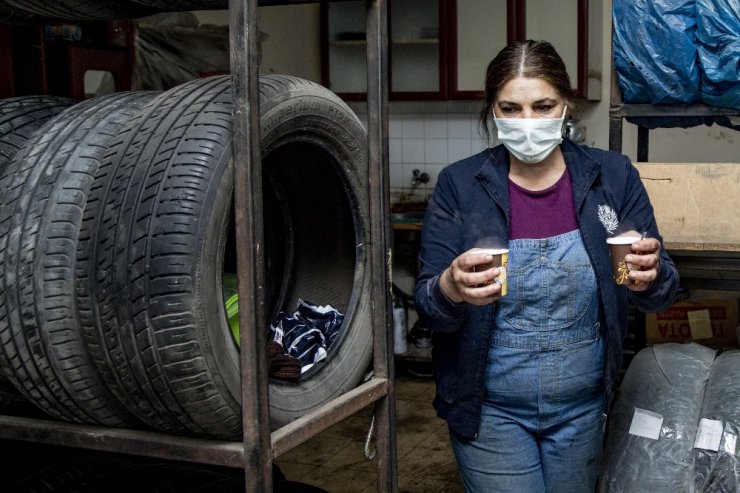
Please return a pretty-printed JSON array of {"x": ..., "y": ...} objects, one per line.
[
  {"x": 307, "y": 333},
  {"x": 280, "y": 365},
  {"x": 274, "y": 349}
]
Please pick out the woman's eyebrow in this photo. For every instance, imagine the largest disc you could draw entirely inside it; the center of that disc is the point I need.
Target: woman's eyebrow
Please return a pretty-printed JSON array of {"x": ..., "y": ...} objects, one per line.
[
  {"x": 546, "y": 101},
  {"x": 539, "y": 101}
]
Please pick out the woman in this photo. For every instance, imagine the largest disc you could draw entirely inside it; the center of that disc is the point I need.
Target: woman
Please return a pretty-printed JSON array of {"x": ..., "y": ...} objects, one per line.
[{"x": 524, "y": 380}]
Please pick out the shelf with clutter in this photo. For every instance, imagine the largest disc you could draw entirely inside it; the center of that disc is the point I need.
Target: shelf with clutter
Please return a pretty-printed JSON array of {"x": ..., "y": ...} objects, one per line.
[{"x": 256, "y": 444}]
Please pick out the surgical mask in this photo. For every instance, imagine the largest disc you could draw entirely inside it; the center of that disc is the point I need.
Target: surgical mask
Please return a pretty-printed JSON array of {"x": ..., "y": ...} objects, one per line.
[{"x": 530, "y": 140}]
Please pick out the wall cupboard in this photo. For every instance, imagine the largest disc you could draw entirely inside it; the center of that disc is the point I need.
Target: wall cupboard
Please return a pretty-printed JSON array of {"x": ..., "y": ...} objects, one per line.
[{"x": 439, "y": 49}]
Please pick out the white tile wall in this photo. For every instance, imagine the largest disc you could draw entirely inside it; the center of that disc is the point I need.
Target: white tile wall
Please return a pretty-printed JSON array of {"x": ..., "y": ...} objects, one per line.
[
  {"x": 412, "y": 126},
  {"x": 412, "y": 150},
  {"x": 426, "y": 136}
]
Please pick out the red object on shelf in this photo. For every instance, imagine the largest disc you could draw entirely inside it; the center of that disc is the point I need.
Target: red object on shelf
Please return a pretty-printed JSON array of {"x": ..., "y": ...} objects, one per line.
[{"x": 81, "y": 59}]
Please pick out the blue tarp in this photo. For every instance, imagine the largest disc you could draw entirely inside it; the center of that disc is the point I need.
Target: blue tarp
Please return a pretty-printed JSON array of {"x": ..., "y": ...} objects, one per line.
[
  {"x": 718, "y": 41},
  {"x": 678, "y": 51},
  {"x": 655, "y": 52}
]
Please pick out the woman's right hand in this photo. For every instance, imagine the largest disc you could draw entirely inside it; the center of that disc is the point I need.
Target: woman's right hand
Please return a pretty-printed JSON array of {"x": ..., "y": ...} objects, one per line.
[{"x": 464, "y": 280}]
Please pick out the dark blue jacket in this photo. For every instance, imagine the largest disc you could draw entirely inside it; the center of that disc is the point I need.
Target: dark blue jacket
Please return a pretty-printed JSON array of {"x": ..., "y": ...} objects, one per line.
[{"x": 470, "y": 204}]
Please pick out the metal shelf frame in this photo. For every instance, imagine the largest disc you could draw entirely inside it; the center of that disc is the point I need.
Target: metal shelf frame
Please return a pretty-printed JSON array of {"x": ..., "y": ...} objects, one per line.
[
  {"x": 260, "y": 446},
  {"x": 618, "y": 110}
]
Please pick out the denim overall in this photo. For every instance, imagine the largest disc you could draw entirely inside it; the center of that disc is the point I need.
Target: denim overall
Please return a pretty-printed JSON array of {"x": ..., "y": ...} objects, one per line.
[{"x": 543, "y": 412}]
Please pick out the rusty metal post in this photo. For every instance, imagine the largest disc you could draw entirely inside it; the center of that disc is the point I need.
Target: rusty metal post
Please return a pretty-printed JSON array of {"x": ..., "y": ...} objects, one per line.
[
  {"x": 249, "y": 236},
  {"x": 615, "y": 110},
  {"x": 380, "y": 236}
]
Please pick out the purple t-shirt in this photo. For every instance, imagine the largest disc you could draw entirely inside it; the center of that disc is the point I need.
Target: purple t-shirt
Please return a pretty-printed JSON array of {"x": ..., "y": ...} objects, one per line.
[{"x": 542, "y": 213}]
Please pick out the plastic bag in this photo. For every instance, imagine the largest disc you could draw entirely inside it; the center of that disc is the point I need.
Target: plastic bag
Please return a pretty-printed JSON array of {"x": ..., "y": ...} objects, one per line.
[
  {"x": 718, "y": 43},
  {"x": 655, "y": 52},
  {"x": 173, "y": 48},
  {"x": 718, "y": 471},
  {"x": 670, "y": 380}
]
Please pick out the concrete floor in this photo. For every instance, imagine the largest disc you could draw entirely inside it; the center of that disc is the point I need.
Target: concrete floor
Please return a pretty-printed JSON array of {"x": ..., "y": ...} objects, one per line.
[{"x": 334, "y": 460}]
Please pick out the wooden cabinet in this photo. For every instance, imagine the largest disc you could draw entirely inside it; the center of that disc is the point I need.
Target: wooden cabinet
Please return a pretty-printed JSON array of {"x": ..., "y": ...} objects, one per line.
[
  {"x": 416, "y": 42},
  {"x": 417, "y": 48},
  {"x": 44, "y": 58},
  {"x": 439, "y": 49},
  {"x": 343, "y": 47},
  {"x": 574, "y": 29},
  {"x": 478, "y": 30}
]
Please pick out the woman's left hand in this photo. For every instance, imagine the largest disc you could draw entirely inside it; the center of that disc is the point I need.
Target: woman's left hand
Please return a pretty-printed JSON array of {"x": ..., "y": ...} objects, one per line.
[{"x": 645, "y": 263}]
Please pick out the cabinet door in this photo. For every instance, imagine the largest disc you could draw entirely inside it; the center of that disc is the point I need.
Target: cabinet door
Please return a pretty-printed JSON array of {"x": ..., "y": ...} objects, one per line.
[
  {"x": 557, "y": 22},
  {"x": 416, "y": 49},
  {"x": 344, "y": 48},
  {"x": 479, "y": 29},
  {"x": 416, "y": 42},
  {"x": 574, "y": 29},
  {"x": 441, "y": 48}
]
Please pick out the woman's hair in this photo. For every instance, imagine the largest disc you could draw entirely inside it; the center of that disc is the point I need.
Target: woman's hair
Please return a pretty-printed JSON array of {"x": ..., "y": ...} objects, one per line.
[{"x": 535, "y": 59}]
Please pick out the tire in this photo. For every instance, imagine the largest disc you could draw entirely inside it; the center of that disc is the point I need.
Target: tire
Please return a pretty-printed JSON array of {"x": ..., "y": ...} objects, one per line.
[
  {"x": 236, "y": 483},
  {"x": 43, "y": 192},
  {"x": 9, "y": 396},
  {"x": 155, "y": 477},
  {"x": 10, "y": 15},
  {"x": 80, "y": 9},
  {"x": 20, "y": 118},
  {"x": 166, "y": 235},
  {"x": 67, "y": 473},
  {"x": 184, "y": 5}
]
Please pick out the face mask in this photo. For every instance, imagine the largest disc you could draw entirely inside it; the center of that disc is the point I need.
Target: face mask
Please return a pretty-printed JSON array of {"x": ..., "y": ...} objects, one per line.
[{"x": 530, "y": 140}]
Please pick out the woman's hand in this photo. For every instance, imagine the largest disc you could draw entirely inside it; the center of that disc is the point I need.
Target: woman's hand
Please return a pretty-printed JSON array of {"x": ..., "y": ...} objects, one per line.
[
  {"x": 645, "y": 263},
  {"x": 464, "y": 280}
]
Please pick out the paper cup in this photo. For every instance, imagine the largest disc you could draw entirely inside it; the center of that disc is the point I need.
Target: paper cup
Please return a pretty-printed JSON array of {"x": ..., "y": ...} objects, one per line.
[
  {"x": 500, "y": 260},
  {"x": 619, "y": 248}
]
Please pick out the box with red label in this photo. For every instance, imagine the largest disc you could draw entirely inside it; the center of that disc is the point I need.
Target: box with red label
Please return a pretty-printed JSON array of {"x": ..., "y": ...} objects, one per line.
[{"x": 706, "y": 317}]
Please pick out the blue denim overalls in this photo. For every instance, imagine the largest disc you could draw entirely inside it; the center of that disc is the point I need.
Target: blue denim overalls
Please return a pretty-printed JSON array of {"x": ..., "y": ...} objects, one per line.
[{"x": 543, "y": 412}]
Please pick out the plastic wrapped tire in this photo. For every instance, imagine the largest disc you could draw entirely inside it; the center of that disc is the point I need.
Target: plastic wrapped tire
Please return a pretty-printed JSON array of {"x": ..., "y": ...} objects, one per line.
[
  {"x": 718, "y": 471},
  {"x": 670, "y": 380},
  {"x": 165, "y": 236}
]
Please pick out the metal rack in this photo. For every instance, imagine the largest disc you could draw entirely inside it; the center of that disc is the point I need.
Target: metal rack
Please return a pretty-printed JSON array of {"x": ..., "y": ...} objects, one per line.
[
  {"x": 259, "y": 447},
  {"x": 618, "y": 110},
  {"x": 710, "y": 262}
]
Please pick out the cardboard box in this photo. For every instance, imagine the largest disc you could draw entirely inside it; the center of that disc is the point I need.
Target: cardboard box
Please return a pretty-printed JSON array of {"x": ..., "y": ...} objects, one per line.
[
  {"x": 674, "y": 324},
  {"x": 695, "y": 205}
]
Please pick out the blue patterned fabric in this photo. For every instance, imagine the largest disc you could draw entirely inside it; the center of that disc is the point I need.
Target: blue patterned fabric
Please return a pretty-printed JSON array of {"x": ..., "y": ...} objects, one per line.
[{"x": 307, "y": 333}]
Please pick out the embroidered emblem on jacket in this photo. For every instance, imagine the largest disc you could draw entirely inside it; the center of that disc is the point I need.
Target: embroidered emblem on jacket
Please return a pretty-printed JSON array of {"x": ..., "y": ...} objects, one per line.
[{"x": 608, "y": 218}]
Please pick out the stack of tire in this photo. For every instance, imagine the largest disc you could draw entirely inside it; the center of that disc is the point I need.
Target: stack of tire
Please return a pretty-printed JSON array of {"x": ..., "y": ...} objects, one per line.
[
  {"x": 34, "y": 468},
  {"x": 102, "y": 9},
  {"x": 117, "y": 229},
  {"x": 20, "y": 118}
]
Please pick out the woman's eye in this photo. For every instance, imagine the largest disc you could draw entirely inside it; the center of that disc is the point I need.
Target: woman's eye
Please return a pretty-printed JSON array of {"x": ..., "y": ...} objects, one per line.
[
  {"x": 508, "y": 110},
  {"x": 544, "y": 109}
]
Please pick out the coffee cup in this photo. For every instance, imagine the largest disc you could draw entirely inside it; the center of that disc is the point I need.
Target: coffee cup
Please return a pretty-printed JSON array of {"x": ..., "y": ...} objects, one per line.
[
  {"x": 500, "y": 260},
  {"x": 619, "y": 248}
]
